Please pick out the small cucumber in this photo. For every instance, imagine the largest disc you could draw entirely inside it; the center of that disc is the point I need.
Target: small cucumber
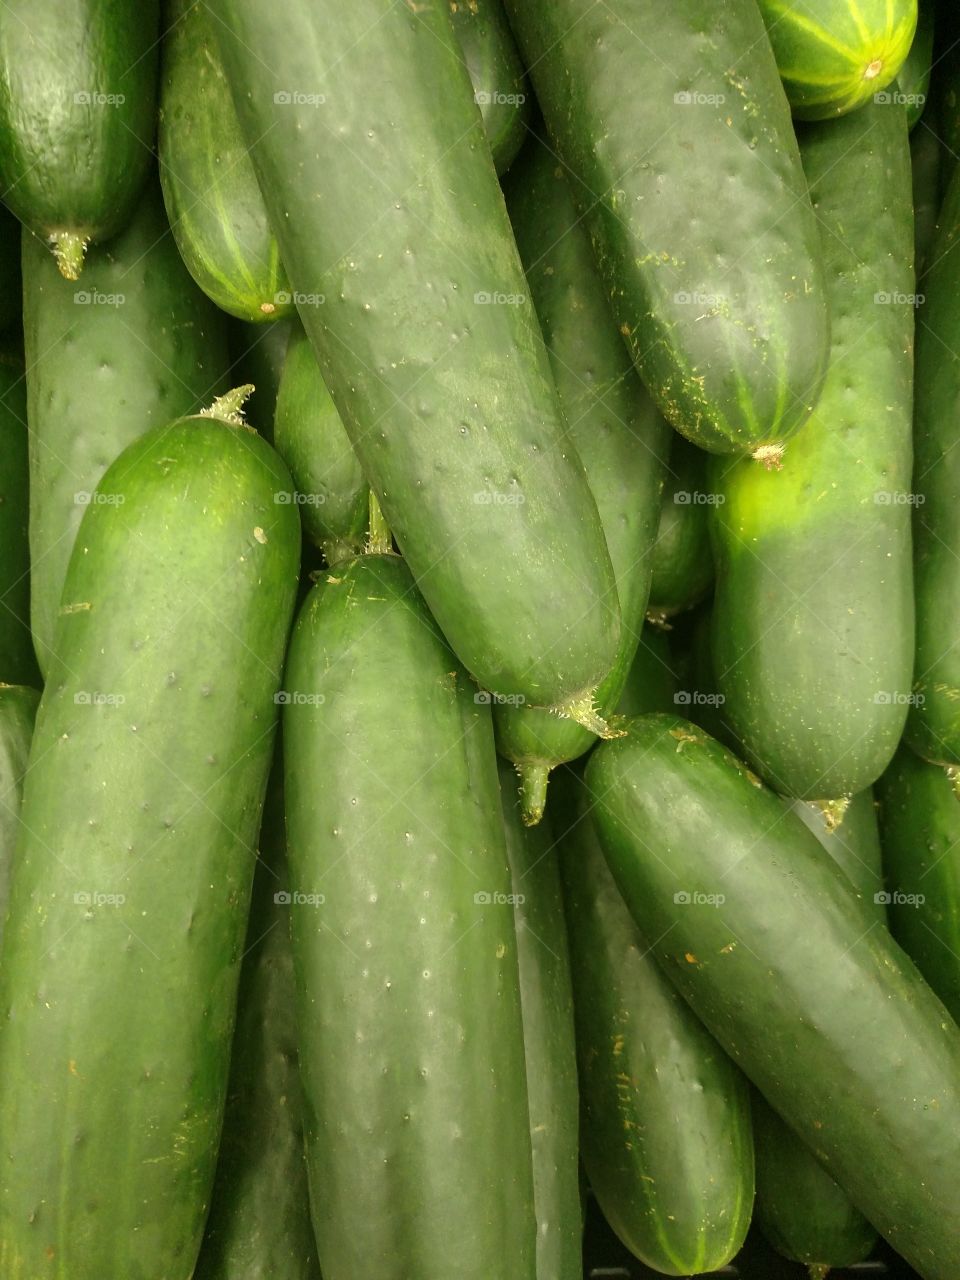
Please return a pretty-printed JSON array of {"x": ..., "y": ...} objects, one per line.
[
  {"x": 682, "y": 558},
  {"x": 18, "y": 710},
  {"x": 18, "y": 665},
  {"x": 496, "y": 72}
]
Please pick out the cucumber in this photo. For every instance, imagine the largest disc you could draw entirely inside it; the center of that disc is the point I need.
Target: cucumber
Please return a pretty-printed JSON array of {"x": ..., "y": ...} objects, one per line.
[
  {"x": 651, "y": 684},
  {"x": 11, "y": 289},
  {"x": 418, "y": 1141},
  {"x": 550, "y": 1050},
  {"x": 913, "y": 78},
  {"x": 813, "y": 615},
  {"x": 682, "y": 559},
  {"x": 77, "y": 103},
  {"x": 920, "y": 823},
  {"x": 613, "y": 425},
  {"x": 140, "y": 813},
  {"x": 331, "y": 491},
  {"x": 216, "y": 211},
  {"x": 673, "y": 184},
  {"x": 427, "y": 340},
  {"x": 665, "y": 1113},
  {"x": 926, "y": 158},
  {"x": 836, "y": 55},
  {"x": 18, "y": 710},
  {"x": 259, "y": 1222},
  {"x": 817, "y": 1004},
  {"x": 17, "y": 662},
  {"x": 134, "y": 348},
  {"x": 496, "y": 73},
  {"x": 258, "y": 353}
]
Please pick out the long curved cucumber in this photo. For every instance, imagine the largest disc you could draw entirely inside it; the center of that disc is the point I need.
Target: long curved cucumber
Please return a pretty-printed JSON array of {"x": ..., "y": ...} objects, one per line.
[
  {"x": 210, "y": 190},
  {"x": 417, "y": 1133},
  {"x": 77, "y": 114},
  {"x": 549, "y": 1042},
  {"x": 613, "y": 425},
  {"x": 813, "y": 612},
  {"x": 791, "y": 972},
  {"x": 496, "y": 73},
  {"x": 18, "y": 711},
  {"x": 258, "y": 353},
  {"x": 665, "y": 1113},
  {"x": 836, "y": 55},
  {"x": 18, "y": 665},
  {"x": 11, "y": 289},
  {"x": 696, "y": 204},
  {"x": 682, "y": 558},
  {"x": 128, "y": 905},
  {"x": 133, "y": 348},
  {"x": 426, "y": 337}
]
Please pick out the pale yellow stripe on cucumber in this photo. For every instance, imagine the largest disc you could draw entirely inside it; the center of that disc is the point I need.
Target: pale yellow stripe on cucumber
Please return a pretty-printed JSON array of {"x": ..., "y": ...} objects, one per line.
[
  {"x": 812, "y": 28},
  {"x": 866, "y": 35},
  {"x": 801, "y": 79},
  {"x": 228, "y": 235}
]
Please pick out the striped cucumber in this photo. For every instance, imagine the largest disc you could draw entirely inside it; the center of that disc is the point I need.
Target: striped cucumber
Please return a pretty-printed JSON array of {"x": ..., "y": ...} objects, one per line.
[
  {"x": 418, "y": 1142},
  {"x": 682, "y": 559},
  {"x": 18, "y": 710},
  {"x": 813, "y": 613},
  {"x": 18, "y": 665},
  {"x": 496, "y": 73}
]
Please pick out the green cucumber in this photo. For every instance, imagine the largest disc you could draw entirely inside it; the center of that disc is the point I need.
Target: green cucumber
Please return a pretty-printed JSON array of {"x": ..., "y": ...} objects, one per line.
[
  {"x": 651, "y": 684},
  {"x": 18, "y": 665},
  {"x": 18, "y": 710},
  {"x": 216, "y": 211},
  {"x": 128, "y": 905},
  {"x": 258, "y": 353},
  {"x": 11, "y": 289},
  {"x": 259, "y": 1223},
  {"x": 836, "y": 55},
  {"x": 665, "y": 1113},
  {"x": 926, "y": 159},
  {"x": 426, "y": 339},
  {"x": 696, "y": 204},
  {"x": 913, "y": 78},
  {"x": 331, "y": 491},
  {"x": 496, "y": 72},
  {"x": 682, "y": 559},
  {"x": 793, "y": 975},
  {"x": 813, "y": 612},
  {"x": 404, "y": 943},
  {"x": 77, "y": 113},
  {"x": 549, "y": 1043},
  {"x": 613, "y": 425},
  {"x": 920, "y": 824},
  {"x": 133, "y": 348}
]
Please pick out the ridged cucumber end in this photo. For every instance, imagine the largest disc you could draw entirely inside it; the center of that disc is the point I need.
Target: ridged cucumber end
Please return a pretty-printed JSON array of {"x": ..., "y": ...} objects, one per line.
[
  {"x": 534, "y": 777},
  {"x": 229, "y": 406},
  {"x": 69, "y": 250}
]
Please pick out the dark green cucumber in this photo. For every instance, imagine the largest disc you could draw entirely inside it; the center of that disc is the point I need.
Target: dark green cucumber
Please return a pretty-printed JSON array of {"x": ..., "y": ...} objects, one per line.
[
  {"x": 913, "y": 78},
  {"x": 210, "y": 190},
  {"x": 813, "y": 613},
  {"x": 682, "y": 559},
  {"x": 665, "y": 1113},
  {"x": 496, "y": 73},
  {"x": 18, "y": 710},
  {"x": 427, "y": 340},
  {"x": 612, "y": 424},
  {"x": 11, "y": 289},
  {"x": 792, "y": 973},
  {"x": 258, "y": 353},
  {"x": 133, "y": 348},
  {"x": 920, "y": 823},
  {"x": 549, "y": 1043},
  {"x": 651, "y": 683},
  {"x": 128, "y": 905},
  {"x": 331, "y": 491},
  {"x": 411, "y": 1040},
  {"x": 259, "y": 1224},
  {"x": 836, "y": 55},
  {"x": 926, "y": 159},
  {"x": 18, "y": 665},
  {"x": 696, "y": 204},
  {"x": 77, "y": 114}
]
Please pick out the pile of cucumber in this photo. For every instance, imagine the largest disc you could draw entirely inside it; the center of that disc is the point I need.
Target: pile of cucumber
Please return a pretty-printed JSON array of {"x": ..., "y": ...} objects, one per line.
[{"x": 480, "y": 638}]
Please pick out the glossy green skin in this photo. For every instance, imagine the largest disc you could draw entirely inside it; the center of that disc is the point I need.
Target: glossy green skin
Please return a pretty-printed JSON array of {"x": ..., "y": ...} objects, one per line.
[
  {"x": 99, "y": 376},
  {"x": 17, "y": 662},
  {"x": 926, "y": 158},
  {"x": 116, "y": 1017},
  {"x": 210, "y": 190},
  {"x": 665, "y": 1114},
  {"x": 392, "y": 212},
  {"x": 920, "y": 823},
  {"x": 67, "y": 166},
  {"x": 408, "y": 996},
  {"x": 612, "y": 424},
  {"x": 813, "y": 613},
  {"x": 11, "y": 290},
  {"x": 682, "y": 559},
  {"x": 259, "y": 1225},
  {"x": 258, "y": 353},
  {"x": 549, "y": 1042},
  {"x": 331, "y": 492},
  {"x": 496, "y": 73},
  {"x": 651, "y": 684},
  {"x": 731, "y": 343},
  {"x": 18, "y": 710},
  {"x": 793, "y": 975},
  {"x": 834, "y": 55},
  {"x": 913, "y": 78}
]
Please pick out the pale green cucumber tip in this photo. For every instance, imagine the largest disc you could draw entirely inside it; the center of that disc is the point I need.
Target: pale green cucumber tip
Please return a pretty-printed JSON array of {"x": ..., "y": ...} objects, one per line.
[
  {"x": 229, "y": 406},
  {"x": 534, "y": 776},
  {"x": 584, "y": 711},
  {"x": 69, "y": 250}
]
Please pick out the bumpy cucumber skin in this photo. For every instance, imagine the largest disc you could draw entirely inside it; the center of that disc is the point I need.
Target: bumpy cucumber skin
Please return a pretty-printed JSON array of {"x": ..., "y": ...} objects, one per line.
[
  {"x": 210, "y": 190},
  {"x": 69, "y": 165},
  {"x": 496, "y": 73},
  {"x": 682, "y": 559},
  {"x": 18, "y": 665},
  {"x": 258, "y": 353},
  {"x": 259, "y": 1225},
  {"x": 731, "y": 342},
  {"x": 18, "y": 710},
  {"x": 834, "y": 55},
  {"x": 920, "y": 824},
  {"x": 100, "y": 374},
  {"x": 792, "y": 974},
  {"x": 549, "y": 1042},
  {"x": 116, "y": 1018},
  {"x": 612, "y": 424},
  {"x": 331, "y": 491},
  {"x": 411, "y": 1039},
  {"x": 11, "y": 290},
  {"x": 668, "y": 1152},
  {"x": 449, "y": 402},
  {"x": 813, "y": 613}
]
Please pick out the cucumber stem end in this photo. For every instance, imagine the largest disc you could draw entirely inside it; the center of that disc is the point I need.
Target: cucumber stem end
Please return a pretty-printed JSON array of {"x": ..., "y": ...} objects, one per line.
[
  {"x": 69, "y": 250},
  {"x": 771, "y": 455},
  {"x": 533, "y": 790},
  {"x": 584, "y": 711},
  {"x": 379, "y": 540},
  {"x": 229, "y": 406}
]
